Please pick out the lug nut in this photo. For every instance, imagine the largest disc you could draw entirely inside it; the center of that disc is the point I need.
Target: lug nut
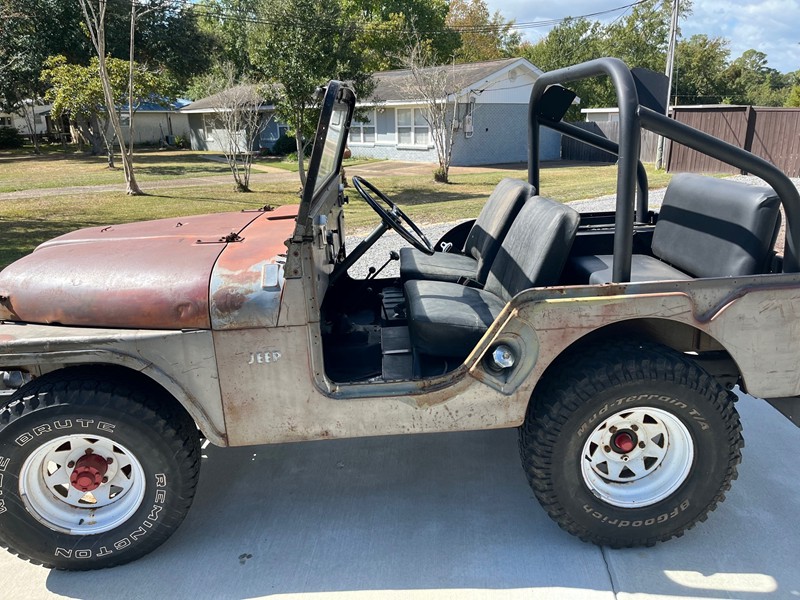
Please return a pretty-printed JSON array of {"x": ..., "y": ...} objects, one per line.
[
  {"x": 641, "y": 444},
  {"x": 89, "y": 451},
  {"x": 109, "y": 460},
  {"x": 635, "y": 427},
  {"x": 606, "y": 448},
  {"x": 105, "y": 479},
  {"x": 612, "y": 429},
  {"x": 70, "y": 464}
]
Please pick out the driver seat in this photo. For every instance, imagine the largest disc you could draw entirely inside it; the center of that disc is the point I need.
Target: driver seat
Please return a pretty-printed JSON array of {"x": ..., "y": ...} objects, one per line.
[
  {"x": 447, "y": 319},
  {"x": 482, "y": 245}
]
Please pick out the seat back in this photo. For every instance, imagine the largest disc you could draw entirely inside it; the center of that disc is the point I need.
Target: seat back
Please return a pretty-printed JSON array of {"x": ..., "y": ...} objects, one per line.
[
  {"x": 535, "y": 250},
  {"x": 711, "y": 227},
  {"x": 494, "y": 221}
]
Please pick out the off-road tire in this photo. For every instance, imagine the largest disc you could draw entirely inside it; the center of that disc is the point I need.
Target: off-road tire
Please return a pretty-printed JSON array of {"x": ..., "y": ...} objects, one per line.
[
  {"x": 99, "y": 410},
  {"x": 610, "y": 383}
]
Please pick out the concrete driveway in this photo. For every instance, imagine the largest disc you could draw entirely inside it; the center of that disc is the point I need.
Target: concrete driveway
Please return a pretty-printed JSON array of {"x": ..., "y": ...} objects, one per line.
[{"x": 440, "y": 516}]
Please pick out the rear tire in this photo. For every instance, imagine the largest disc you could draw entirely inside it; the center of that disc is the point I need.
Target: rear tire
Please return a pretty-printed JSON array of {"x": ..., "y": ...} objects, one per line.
[
  {"x": 95, "y": 471},
  {"x": 630, "y": 444}
]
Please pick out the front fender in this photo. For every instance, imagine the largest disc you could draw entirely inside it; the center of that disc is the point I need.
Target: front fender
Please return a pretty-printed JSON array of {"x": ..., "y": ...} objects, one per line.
[{"x": 182, "y": 362}]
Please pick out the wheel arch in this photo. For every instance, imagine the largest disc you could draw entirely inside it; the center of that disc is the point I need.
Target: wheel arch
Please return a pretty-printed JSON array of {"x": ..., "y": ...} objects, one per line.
[
  {"x": 140, "y": 375},
  {"x": 699, "y": 346}
]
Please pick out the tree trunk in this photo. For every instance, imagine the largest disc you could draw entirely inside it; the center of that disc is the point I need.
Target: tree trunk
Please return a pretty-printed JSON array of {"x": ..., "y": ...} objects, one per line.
[{"x": 298, "y": 138}]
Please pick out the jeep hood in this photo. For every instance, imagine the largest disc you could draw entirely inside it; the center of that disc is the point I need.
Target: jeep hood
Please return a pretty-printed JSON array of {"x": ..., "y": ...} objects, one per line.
[{"x": 150, "y": 275}]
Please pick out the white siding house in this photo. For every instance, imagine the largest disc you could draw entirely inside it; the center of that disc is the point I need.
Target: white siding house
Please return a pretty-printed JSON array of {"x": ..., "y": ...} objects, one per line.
[{"x": 492, "y": 116}]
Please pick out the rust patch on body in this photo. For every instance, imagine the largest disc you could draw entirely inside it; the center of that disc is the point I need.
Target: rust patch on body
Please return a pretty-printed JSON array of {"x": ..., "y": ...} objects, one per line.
[
  {"x": 246, "y": 283},
  {"x": 152, "y": 275}
]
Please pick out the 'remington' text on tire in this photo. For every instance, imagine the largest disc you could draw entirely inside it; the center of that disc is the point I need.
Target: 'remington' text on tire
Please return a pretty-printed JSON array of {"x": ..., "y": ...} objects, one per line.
[
  {"x": 96, "y": 469},
  {"x": 629, "y": 444}
]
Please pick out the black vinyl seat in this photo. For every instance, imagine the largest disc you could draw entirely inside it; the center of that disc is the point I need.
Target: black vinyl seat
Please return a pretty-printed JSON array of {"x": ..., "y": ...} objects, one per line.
[
  {"x": 482, "y": 244},
  {"x": 447, "y": 319},
  {"x": 706, "y": 227}
]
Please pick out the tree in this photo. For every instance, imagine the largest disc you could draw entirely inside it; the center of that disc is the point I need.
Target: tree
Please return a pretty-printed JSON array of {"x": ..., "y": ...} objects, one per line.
[
  {"x": 639, "y": 39},
  {"x": 301, "y": 44},
  {"x": 434, "y": 85},
  {"x": 484, "y": 36},
  {"x": 237, "y": 105},
  {"x": 30, "y": 32},
  {"x": 77, "y": 91},
  {"x": 225, "y": 23},
  {"x": 700, "y": 67},
  {"x": 793, "y": 99},
  {"x": 571, "y": 41},
  {"x": 388, "y": 27},
  {"x": 752, "y": 81},
  {"x": 95, "y": 16}
]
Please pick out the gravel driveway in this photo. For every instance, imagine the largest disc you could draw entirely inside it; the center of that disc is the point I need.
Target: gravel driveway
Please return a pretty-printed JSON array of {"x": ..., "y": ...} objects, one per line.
[{"x": 379, "y": 253}]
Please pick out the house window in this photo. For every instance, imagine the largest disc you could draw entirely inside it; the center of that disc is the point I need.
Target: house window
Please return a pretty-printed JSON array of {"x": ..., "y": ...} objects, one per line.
[
  {"x": 363, "y": 132},
  {"x": 412, "y": 129},
  {"x": 125, "y": 119},
  {"x": 209, "y": 123},
  {"x": 5, "y": 121}
]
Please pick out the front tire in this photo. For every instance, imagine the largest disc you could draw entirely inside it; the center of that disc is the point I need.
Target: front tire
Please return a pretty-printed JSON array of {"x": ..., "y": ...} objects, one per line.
[
  {"x": 95, "y": 470},
  {"x": 630, "y": 444}
]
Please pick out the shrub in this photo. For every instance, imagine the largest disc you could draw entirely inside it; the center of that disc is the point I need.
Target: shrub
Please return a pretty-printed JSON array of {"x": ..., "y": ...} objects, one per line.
[
  {"x": 10, "y": 138},
  {"x": 284, "y": 145}
]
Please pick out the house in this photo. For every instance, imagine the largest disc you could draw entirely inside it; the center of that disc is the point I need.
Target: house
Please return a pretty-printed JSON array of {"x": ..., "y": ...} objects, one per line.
[
  {"x": 155, "y": 123},
  {"x": 492, "y": 116},
  {"x": 37, "y": 114},
  {"x": 206, "y": 125}
]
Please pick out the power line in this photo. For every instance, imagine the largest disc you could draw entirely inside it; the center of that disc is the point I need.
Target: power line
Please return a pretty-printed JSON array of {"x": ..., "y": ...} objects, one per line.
[{"x": 210, "y": 12}]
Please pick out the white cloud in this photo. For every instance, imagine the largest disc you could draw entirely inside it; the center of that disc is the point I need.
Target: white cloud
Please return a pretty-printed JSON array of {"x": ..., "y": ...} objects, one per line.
[{"x": 770, "y": 26}]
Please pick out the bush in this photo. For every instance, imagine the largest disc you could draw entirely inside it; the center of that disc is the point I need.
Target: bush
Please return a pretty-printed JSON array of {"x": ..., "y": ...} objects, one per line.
[
  {"x": 10, "y": 138},
  {"x": 284, "y": 145}
]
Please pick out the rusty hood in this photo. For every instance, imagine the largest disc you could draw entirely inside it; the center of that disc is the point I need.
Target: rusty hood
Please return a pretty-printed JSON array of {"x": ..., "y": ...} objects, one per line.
[{"x": 152, "y": 274}]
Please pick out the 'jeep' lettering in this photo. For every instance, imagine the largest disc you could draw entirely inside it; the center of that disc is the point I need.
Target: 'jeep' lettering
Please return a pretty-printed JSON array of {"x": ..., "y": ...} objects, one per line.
[{"x": 264, "y": 358}]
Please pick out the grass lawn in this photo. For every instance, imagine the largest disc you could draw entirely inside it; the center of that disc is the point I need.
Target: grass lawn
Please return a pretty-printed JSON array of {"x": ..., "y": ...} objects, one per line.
[
  {"x": 27, "y": 222},
  {"x": 20, "y": 170},
  {"x": 429, "y": 202}
]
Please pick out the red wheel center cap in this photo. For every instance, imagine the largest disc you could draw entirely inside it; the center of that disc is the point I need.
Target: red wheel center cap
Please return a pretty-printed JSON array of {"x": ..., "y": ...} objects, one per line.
[
  {"x": 625, "y": 442},
  {"x": 88, "y": 473}
]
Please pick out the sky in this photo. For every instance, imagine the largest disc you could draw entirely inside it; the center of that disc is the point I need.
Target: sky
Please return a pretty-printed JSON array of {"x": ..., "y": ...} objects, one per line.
[{"x": 770, "y": 26}]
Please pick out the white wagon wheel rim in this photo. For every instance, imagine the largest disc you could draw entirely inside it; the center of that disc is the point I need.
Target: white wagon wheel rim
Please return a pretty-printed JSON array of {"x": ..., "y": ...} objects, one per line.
[
  {"x": 637, "y": 457},
  {"x": 82, "y": 484}
]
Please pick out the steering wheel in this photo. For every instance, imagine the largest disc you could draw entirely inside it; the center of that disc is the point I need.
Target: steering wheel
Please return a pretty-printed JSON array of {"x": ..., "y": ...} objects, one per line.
[{"x": 393, "y": 217}]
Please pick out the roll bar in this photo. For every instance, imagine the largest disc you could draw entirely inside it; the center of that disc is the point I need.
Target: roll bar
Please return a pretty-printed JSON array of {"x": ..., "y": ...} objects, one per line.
[{"x": 633, "y": 115}]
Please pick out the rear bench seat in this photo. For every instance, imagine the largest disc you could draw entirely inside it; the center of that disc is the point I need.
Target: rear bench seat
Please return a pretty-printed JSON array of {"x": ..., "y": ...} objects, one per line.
[{"x": 706, "y": 227}]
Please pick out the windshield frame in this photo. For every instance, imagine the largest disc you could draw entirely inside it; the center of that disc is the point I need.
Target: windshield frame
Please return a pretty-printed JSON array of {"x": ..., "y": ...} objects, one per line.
[{"x": 337, "y": 96}]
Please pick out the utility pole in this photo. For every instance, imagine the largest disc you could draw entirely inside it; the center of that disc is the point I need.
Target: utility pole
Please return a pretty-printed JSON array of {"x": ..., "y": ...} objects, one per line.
[{"x": 673, "y": 31}]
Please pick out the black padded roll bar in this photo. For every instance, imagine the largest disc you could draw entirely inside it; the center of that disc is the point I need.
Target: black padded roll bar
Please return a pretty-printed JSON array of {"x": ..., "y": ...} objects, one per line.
[
  {"x": 632, "y": 117},
  {"x": 629, "y": 141}
]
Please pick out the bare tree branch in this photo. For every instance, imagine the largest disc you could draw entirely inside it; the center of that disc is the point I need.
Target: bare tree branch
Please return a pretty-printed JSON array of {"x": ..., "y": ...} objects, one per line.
[
  {"x": 237, "y": 109},
  {"x": 433, "y": 85}
]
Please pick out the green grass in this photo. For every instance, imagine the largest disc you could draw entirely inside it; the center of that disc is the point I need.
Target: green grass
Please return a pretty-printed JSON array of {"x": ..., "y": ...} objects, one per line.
[
  {"x": 20, "y": 170},
  {"x": 428, "y": 202},
  {"x": 27, "y": 222}
]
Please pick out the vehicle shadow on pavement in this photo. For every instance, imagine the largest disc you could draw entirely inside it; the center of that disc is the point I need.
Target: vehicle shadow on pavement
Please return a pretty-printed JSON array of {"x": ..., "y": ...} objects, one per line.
[{"x": 447, "y": 515}]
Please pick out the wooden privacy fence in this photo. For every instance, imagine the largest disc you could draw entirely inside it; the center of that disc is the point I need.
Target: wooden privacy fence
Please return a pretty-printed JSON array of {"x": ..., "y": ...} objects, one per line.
[
  {"x": 771, "y": 133},
  {"x": 574, "y": 150}
]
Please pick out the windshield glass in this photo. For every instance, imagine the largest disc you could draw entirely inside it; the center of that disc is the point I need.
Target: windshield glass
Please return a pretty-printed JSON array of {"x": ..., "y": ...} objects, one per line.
[{"x": 331, "y": 149}]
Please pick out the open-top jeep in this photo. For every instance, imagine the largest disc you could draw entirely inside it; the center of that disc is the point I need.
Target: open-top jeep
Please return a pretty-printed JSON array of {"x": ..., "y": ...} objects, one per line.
[{"x": 613, "y": 341}]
